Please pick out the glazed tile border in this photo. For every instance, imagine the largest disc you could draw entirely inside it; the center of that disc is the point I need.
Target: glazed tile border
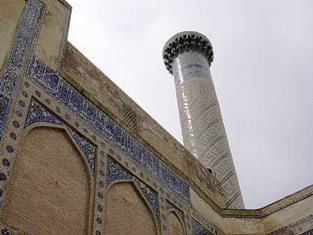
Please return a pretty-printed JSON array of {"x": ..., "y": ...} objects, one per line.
[
  {"x": 116, "y": 172},
  {"x": 13, "y": 69},
  {"x": 65, "y": 93},
  {"x": 37, "y": 113}
]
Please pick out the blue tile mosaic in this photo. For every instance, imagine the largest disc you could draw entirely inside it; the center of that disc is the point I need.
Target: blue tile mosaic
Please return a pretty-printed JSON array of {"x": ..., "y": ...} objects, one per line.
[
  {"x": 10, "y": 75},
  {"x": 198, "y": 229},
  {"x": 116, "y": 172},
  {"x": 44, "y": 75},
  {"x": 38, "y": 113},
  {"x": 95, "y": 118}
]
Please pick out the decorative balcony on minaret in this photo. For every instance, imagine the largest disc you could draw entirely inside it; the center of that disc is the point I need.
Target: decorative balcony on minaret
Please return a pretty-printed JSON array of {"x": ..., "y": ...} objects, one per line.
[{"x": 188, "y": 56}]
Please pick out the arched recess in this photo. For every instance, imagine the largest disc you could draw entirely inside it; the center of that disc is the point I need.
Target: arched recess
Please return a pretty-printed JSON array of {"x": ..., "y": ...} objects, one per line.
[
  {"x": 49, "y": 191},
  {"x": 175, "y": 226},
  {"x": 127, "y": 212}
]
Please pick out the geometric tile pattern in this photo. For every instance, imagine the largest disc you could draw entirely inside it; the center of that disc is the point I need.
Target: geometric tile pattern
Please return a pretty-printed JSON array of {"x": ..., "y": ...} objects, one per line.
[
  {"x": 117, "y": 172},
  {"x": 13, "y": 69},
  {"x": 202, "y": 125},
  {"x": 95, "y": 118},
  {"x": 38, "y": 113}
]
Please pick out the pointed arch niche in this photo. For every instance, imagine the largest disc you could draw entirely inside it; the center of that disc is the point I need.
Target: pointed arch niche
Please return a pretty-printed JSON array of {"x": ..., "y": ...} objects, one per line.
[
  {"x": 49, "y": 191},
  {"x": 175, "y": 226},
  {"x": 127, "y": 212}
]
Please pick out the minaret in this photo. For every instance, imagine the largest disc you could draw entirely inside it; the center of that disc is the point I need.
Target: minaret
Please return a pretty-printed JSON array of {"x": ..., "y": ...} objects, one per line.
[{"x": 188, "y": 56}]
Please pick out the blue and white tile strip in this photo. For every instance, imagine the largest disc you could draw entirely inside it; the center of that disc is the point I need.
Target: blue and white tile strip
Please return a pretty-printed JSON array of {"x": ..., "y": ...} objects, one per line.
[
  {"x": 57, "y": 87},
  {"x": 13, "y": 69}
]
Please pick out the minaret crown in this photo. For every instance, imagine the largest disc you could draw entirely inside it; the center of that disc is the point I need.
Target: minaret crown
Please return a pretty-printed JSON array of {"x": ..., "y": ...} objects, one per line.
[{"x": 185, "y": 42}]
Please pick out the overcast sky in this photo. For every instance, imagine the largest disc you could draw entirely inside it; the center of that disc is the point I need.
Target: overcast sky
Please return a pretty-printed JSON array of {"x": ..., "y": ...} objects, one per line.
[{"x": 262, "y": 71}]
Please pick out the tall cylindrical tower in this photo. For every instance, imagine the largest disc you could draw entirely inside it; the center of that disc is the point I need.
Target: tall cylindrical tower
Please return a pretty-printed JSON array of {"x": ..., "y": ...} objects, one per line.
[{"x": 188, "y": 56}]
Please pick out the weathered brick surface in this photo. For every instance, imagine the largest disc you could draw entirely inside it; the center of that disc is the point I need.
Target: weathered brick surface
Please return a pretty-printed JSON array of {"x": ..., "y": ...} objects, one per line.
[
  {"x": 49, "y": 192},
  {"x": 10, "y": 12},
  {"x": 175, "y": 227},
  {"x": 126, "y": 212}
]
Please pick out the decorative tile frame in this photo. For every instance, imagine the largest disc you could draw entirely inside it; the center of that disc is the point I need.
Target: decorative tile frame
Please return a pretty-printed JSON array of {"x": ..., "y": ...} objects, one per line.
[
  {"x": 38, "y": 113},
  {"x": 117, "y": 173},
  {"x": 66, "y": 94},
  {"x": 13, "y": 68},
  {"x": 30, "y": 113}
]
